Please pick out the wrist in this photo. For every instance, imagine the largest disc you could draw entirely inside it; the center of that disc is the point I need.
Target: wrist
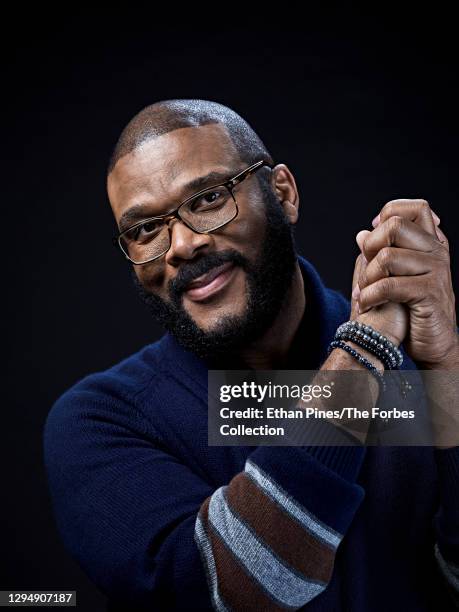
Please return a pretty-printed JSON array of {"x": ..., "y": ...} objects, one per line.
[
  {"x": 371, "y": 358},
  {"x": 369, "y": 318}
]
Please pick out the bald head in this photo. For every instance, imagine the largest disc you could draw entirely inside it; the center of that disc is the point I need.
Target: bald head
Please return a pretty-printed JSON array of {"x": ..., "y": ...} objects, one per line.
[{"x": 169, "y": 115}]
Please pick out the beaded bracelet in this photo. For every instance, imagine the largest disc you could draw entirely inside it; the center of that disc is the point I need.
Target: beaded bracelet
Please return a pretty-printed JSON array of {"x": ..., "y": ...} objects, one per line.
[
  {"x": 370, "y": 335},
  {"x": 361, "y": 359},
  {"x": 371, "y": 340},
  {"x": 386, "y": 360}
]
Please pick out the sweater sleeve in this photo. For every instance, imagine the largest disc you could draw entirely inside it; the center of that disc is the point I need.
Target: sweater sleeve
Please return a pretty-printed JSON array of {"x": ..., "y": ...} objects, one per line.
[
  {"x": 269, "y": 538},
  {"x": 148, "y": 529},
  {"x": 124, "y": 506},
  {"x": 446, "y": 521}
]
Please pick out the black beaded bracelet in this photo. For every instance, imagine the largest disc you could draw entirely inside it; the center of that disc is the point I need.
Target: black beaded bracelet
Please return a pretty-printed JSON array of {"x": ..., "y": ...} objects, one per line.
[
  {"x": 378, "y": 345},
  {"x": 361, "y": 359},
  {"x": 388, "y": 363},
  {"x": 371, "y": 340},
  {"x": 373, "y": 337}
]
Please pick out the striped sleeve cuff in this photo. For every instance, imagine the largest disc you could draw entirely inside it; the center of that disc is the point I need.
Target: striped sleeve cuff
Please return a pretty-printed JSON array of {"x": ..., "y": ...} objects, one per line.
[{"x": 262, "y": 547}]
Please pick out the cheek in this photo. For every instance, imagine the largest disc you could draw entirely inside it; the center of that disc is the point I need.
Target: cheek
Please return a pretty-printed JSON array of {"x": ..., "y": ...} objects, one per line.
[
  {"x": 246, "y": 232},
  {"x": 151, "y": 276}
]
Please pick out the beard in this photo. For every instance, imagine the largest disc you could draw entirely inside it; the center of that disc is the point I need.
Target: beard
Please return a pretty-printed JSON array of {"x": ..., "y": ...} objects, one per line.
[{"x": 268, "y": 280}]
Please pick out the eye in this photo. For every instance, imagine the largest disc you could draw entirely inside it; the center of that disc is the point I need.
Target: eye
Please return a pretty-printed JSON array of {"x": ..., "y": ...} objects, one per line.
[
  {"x": 146, "y": 230},
  {"x": 209, "y": 200}
]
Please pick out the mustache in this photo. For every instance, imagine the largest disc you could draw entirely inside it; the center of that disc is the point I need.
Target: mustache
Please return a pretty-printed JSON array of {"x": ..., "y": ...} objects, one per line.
[{"x": 192, "y": 270}]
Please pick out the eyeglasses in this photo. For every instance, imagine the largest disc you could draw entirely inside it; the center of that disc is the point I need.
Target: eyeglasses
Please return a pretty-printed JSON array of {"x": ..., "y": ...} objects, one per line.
[{"x": 203, "y": 212}]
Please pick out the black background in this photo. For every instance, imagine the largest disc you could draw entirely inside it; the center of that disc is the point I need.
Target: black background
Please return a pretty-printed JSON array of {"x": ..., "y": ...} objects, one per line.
[{"x": 362, "y": 108}]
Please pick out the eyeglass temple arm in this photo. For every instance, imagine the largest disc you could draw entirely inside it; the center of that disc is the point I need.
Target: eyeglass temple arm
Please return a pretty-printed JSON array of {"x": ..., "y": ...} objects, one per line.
[{"x": 248, "y": 171}]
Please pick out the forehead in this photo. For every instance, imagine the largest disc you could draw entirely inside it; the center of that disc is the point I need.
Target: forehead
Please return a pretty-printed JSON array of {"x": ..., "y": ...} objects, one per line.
[{"x": 156, "y": 171}]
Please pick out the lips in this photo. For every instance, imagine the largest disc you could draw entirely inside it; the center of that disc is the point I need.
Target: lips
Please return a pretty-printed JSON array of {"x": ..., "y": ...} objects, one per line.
[
  {"x": 209, "y": 276},
  {"x": 211, "y": 282}
]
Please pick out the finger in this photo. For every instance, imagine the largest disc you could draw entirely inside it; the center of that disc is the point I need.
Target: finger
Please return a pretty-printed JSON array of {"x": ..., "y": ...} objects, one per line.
[
  {"x": 360, "y": 279},
  {"x": 359, "y": 265},
  {"x": 399, "y": 232},
  {"x": 399, "y": 289},
  {"x": 361, "y": 237},
  {"x": 442, "y": 238},
  {"x": 417, "y": 211},
  {"x": 377, "y": 220},
  {"x": 392, "y": 261}
]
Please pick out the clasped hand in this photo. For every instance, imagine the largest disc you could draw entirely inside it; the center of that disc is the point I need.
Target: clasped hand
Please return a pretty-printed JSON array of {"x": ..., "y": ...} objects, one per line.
[{"x": 402, "y": 283}]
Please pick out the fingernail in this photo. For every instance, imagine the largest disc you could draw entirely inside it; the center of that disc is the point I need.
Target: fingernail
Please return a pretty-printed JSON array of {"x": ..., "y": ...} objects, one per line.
[
  {"x": 436, "y": 217},
  {"x": 356, "y": 292},
  {"x": 376, "y": 221}
]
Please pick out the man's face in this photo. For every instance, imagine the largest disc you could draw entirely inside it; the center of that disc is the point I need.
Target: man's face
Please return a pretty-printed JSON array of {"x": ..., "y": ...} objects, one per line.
[{"x": 212, "y": 291}]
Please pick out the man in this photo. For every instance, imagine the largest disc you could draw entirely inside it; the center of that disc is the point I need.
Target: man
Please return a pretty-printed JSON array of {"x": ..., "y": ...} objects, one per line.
[{"x": 157, "y": 518}]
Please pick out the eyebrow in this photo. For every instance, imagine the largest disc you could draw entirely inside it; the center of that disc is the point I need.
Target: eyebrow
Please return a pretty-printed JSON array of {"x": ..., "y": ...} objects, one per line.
[{"x": 140, "y": 211}]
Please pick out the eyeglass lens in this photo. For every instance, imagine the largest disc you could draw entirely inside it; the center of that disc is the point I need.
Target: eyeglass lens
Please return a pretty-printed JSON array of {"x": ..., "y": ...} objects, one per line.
[{"x": 205, "y": 213}]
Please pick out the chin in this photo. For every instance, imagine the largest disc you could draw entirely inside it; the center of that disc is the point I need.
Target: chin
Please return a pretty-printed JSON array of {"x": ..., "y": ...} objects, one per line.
[{"x": 214, "y": 318}]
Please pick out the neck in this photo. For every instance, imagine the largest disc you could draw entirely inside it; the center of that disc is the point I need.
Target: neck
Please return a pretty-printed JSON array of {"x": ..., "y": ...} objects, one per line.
[{"x": 270, "y": 351}]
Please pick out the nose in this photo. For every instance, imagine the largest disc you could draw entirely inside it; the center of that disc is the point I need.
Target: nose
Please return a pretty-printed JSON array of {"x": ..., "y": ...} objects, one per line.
[{"x": 185, "y": 243}]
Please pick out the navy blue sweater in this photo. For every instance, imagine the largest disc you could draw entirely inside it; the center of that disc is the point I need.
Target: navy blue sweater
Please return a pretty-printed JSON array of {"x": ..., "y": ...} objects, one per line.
[{"x": 161, "y": 521}]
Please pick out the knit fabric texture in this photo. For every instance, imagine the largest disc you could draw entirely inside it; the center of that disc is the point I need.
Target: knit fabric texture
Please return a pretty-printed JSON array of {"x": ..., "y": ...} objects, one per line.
[{"x": 159, "y": 520}]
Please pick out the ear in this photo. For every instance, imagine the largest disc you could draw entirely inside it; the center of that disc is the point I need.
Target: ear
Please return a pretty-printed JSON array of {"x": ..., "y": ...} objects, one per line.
[{"x": 284, "y": 187}]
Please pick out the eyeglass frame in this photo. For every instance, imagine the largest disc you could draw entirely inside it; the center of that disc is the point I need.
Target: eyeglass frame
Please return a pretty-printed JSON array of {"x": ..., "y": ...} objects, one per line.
[{"x": 175, "y": 214}]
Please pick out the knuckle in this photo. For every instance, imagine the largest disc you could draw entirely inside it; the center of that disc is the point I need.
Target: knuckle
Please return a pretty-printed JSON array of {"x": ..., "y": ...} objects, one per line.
[
  {"x": 394, "y": 225},
  {"x": 384, "y": 258},
  {"x": 388, "y": 209}
]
